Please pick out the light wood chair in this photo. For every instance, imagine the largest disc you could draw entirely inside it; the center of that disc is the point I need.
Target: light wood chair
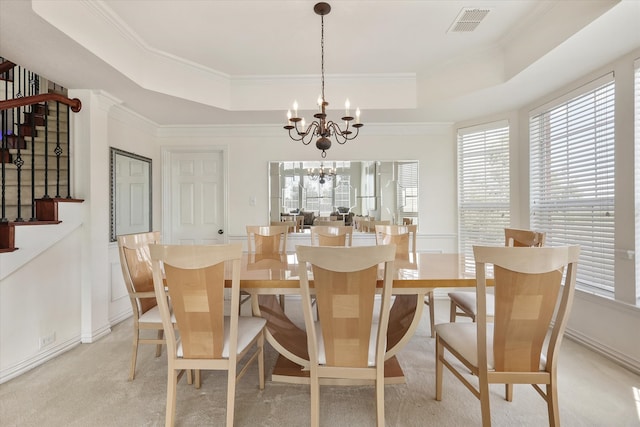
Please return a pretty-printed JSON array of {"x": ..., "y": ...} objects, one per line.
[
  {"x": 405, "y": 239},
  {"x": 209, "y": 340},
  {"x": 528, "y": 285},
  {"x": 135, "y": 262},
  {"x": 340, "y": 235},
  {"x": 463, "y": 304},
  {"x": 346, "y": 342},
  {"x": 407, "y": 221},
  {"x": 267, "y": 240}
]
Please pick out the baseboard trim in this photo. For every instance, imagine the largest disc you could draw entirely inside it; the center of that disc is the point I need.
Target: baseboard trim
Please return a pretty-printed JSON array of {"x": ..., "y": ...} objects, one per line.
[
  {"x": 96, "y": 335},
  {"x": 615, "y": 356},
  {"x": 38, "y": 359}
]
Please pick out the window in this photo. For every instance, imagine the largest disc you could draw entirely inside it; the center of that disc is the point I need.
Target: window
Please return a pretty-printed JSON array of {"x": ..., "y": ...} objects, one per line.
[
  {"x": 483, "y": 188},
  {"x": 408, "y": 190},
  {"x": 572, "y": 179}
]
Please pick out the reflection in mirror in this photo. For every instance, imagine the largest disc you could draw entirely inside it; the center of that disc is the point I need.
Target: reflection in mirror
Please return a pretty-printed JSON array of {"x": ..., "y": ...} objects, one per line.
[
  {"x": 378, "y": 190},
  {"x": 130, "y": 193}
]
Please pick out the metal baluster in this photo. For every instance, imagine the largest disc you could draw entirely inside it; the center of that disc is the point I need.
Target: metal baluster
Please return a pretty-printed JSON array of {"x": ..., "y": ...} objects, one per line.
[
  {"x": 19, "y": 163},
  {"x": 46, "y": 151},
  {"x": 33, "y": 164},
  {"x": 68, "y": 152},
  {"x": 58, "y": 150},
  {"x": 5, "y": 152}
]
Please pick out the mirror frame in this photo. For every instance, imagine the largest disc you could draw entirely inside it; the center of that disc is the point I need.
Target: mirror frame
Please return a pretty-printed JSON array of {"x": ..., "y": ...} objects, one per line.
[{"x": 113, "y": 154}]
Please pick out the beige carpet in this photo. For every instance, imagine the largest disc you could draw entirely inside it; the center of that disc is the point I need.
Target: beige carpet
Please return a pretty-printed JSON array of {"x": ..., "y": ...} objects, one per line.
[{"x": 88, "y": 387}]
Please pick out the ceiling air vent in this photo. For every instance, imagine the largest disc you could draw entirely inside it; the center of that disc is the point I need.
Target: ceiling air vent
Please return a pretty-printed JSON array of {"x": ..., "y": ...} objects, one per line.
[{"x": 467, "y": 20}]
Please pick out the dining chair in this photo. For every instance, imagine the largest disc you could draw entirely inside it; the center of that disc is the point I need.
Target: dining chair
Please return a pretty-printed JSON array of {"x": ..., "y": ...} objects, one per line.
[
  {"x": 194, "y": 276},
  {"x": 405, "y": 239},
  {"x": 333, "y": 235},
  {"x": 530, "y": 285},
  {"x": 463, "y": 303},
  {"x": 346, "y": 342},
  {"x": 267, "y": 240},
  {"x": 135, "y": 262}
]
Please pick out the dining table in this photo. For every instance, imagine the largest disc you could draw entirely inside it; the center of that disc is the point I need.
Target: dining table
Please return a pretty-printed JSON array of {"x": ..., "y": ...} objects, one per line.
[{"x": 265, "y": 277}]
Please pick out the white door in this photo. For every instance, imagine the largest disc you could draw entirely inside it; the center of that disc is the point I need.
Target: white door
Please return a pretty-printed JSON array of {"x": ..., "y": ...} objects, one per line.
[{"x": 196, "y": 201}]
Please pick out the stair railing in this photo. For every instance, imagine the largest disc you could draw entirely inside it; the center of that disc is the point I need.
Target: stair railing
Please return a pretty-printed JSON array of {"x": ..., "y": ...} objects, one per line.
[{"x": 22, "y": 117}]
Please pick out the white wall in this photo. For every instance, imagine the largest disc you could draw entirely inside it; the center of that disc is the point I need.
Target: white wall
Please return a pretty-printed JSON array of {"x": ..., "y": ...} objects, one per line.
[{"x": 250, "y": 149}]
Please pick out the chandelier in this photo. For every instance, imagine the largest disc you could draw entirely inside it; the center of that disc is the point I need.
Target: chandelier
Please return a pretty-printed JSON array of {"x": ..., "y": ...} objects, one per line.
[
  {"x": 322, "y": 175},
  {"x": 321, "y": 128}
]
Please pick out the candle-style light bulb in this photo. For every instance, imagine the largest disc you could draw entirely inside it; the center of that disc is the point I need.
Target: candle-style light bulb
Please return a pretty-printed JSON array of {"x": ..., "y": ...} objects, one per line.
[
  {"x": 295, "y": 108},
  {"x": 302, "y": 124},
  {"x": 347, "y": 105},
  {"x": 357, "y": 115},
  {"x": 289, "y": 116}
]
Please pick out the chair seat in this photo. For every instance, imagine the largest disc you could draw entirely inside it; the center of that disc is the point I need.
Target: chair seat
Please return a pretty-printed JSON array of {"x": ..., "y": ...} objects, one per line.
[
  {"x": 153, "y": 316},
  {"x": 371, "y": 357},
  {"x": 467, "y": 301},
  {"x": 462, "y": 337},
  {"x": 248, "y": 329}
]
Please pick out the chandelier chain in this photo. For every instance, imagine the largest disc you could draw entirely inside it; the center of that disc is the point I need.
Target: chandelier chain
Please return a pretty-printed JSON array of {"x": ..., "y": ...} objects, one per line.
[{"x": 322, "y": 53}]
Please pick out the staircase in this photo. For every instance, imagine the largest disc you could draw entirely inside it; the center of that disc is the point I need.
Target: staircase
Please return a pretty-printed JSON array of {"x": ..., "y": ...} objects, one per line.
[{"x": 34, "y": 154}]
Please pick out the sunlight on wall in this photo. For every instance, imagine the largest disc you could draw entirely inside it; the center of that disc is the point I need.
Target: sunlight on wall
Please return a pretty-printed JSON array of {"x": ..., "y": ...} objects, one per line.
[{"x": 636, "y": 398}]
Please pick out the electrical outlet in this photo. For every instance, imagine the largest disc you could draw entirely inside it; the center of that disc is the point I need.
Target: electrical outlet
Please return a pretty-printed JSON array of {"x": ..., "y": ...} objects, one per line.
[{"x": 47, "y": 340}]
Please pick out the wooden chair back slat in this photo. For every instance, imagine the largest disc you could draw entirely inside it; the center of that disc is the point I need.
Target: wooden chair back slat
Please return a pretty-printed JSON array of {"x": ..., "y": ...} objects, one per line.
[
  {"x": 135, "y": 262},
  {"x": 345, "y": 305},
  {"x": 331, "y": 235},
  {"x": 523, "y": 238},
  {"x": 197, "y": 297},
  {"x": 524, "y": 308}
]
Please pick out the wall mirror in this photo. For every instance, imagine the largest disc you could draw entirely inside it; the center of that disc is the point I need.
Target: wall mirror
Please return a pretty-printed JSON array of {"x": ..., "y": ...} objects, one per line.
[
  {"x": 130, "y": 193},
  {"x": 382, "y": 190}
]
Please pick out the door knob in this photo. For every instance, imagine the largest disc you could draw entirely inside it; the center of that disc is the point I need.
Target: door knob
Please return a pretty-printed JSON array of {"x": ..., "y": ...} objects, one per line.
[{"x": 220, "y": 231}]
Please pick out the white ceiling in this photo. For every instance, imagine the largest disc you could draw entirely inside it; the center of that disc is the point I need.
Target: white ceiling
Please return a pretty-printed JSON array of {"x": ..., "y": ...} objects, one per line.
[{"x": 241, "y": 62}]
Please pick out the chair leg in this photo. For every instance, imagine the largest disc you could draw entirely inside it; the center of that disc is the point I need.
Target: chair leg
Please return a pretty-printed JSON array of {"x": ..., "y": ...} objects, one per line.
[
  {"x": 261, "y": 360},
  {"x": 198, "y": 379},
  {"x": 315, "y": 399},
  {"x": 483, "y": 388},
  {"x": 231, "y": 393},
  {"x": 134, "y": 355},
  {"x": 452, "y": 312},
  {"x": 432, "y": 315},
  {"x": 159, "y": 346},
  {"x": 380, "y": 397},
  {"x": 172, "y": 380},
  {"x": 439, "y": 356},
  {"x": 552, "y": 405},
  {"x": 508, "y": 391}
]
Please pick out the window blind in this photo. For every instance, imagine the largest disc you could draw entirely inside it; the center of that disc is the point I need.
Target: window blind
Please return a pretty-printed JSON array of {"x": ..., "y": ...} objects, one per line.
[
  {"x": 407, "y": 192},
  {"x": 572, "y": 180},
  {"x": 483, "y": 188}
]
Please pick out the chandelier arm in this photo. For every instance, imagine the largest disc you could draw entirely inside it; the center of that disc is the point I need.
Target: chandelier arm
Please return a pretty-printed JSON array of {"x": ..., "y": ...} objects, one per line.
[{"x": 310, "y": 131}]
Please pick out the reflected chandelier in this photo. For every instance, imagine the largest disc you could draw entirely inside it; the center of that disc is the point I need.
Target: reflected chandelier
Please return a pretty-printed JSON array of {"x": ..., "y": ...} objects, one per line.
[
  {"x": 322, "y": 174},
  {"x": 322, "y": 128}
]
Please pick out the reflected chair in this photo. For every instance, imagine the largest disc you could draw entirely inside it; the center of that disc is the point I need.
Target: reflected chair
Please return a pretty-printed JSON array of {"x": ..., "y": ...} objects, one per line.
[
  {"x": 346, "y": 342},
  {"x": 340, "y": 235},
  {"x": 267, "y": 240},
  {"x": 135, "y": 262},
  {"x": 530, "y": 285},
  {"x": 464, "y": 303},
  {"x": 209, "y": 340},
  {"x": 405, "y": 237}
]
